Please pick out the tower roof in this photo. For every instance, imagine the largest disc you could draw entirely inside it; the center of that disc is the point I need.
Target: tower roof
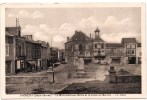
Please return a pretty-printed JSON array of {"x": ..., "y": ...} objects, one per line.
[
  {"x": 97, "y": 30},
  {"x": 98, "y": 39}
]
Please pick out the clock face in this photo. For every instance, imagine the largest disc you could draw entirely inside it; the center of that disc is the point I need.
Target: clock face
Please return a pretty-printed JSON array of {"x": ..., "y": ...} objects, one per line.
[{"x": 98, "y": 46}]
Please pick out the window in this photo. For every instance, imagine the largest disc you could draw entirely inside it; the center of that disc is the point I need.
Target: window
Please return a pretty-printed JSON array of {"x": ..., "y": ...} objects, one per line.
[
  {"x": 87, "y": 46},
  {"x": 76, "y": 46},
  {"x": 87, "y": 53},
  {"x": 128, "y": 52},
  {"x": 7, "y": 40},
  {"x": 76, "y": 53},
  {"x": 128, "y": 45},
  {"x": 18, "y": 50},
  {"x": 115, "y": 51},
  {"x": 133, "y": 52},
  {"x": 133, "y": 46},
  {"x": 99, "y": 46},
  {"x": 99, "y": 51},
  {"x": 80, "y": 47},
  {"x": 95, "y": 46},
  {"x": 7, "y": 49},
  {"x": 102, "y": 46}
]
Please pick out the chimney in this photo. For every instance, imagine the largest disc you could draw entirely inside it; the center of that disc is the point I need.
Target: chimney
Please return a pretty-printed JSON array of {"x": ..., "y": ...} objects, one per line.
[
  {"x": 30, "y": 37},
  {"x": 90, "y": 35},
  {"x": 67, "y": 39}
]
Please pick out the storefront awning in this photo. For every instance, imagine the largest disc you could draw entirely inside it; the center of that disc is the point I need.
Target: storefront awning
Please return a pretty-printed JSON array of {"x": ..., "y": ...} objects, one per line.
[
  {"x": 31, "y": 62},
  {"x": 88, "y": 57},
  {"x": 99, "y": 56}
]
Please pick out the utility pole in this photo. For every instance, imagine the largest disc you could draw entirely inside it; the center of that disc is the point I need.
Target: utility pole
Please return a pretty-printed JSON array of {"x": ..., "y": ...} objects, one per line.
[
  {"x": 52, "y": 62},
  {"x": 51, "y": 70}
]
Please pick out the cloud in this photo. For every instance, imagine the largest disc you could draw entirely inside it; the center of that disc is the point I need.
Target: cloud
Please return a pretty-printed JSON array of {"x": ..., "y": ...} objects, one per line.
[
  {"x": 112, "y": 27},
  {"x": 116, "y": 37},
  {"x": 45, "y": 33},
  {"x": 26, "y": 14},
  {"x": 37, "y": 14},
  {"x": 58, "y": 38},
  {"x": 88, "y": 25}
]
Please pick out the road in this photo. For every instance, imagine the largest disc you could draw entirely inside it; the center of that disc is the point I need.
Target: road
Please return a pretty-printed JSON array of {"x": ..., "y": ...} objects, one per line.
[{"x": 35, "y": 84}]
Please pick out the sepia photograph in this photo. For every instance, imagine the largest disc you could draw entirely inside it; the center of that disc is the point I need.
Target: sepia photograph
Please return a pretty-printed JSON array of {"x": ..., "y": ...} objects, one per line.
[{"x": 74, "y": 49}]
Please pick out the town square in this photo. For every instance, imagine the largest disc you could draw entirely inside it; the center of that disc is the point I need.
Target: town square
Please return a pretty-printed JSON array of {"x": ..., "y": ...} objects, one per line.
[{"x": 73, "y": 51}]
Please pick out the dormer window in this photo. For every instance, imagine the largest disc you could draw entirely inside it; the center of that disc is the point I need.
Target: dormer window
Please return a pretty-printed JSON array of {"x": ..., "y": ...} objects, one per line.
[
  {"x": 128, "y": 45},
  {"x": 133, "y": 46}
]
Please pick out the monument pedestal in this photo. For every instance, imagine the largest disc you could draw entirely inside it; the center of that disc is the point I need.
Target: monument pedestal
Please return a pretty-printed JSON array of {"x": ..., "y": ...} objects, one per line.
[
  {"x": 81, "y": 71},
  {"x": 51, "y": 74}
]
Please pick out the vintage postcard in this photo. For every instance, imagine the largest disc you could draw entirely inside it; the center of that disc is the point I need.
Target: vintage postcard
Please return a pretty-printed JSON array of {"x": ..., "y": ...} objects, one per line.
[{"x": 85, "y": 50}]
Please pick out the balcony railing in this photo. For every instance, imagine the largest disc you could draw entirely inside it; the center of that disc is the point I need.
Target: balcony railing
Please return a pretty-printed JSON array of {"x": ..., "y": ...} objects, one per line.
[{"x": 99, "y": 54}]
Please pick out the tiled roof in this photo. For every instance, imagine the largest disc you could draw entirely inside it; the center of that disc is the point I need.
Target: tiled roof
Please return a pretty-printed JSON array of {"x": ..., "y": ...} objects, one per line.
[
  {"x": 12, "y": 30},
  {"x": 124, "y": 73},
  {"x": 128, "y": 40},
  {"x": 129, "y": 70},
  {"x": 43, "y": 44},
  {"x": 98, "y": 39},
  {"x": 8, "y": 34},
  {"x": 113, "y": 45},
  {"x": 32, "y": 41},
  {"x": 79, "y": 36},
  {"x": 138, "y": 44}
]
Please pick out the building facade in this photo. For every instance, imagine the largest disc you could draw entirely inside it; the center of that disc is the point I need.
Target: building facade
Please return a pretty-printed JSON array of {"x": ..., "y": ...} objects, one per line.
[
  {"x": 99, "y": 46},
  {"x": 45, "y": 53},
  {"x": 61, "y": 55},
  {"x": 138, "y": 53},
  {"x": 23, "y": 54},
  {"x": 96, "y": 50},
  {"x": 54, "y": 55},
  {"x": 10, "y": 54},
  {"x": 115, "y": 53},
  {"x": 130, "y": 46},
  {"x": 78, "y": 44},
  {"x": 33, "y": 54}
]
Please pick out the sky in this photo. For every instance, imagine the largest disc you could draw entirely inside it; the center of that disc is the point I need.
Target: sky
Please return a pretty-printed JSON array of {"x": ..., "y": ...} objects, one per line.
[{"x": 54, "y": 25}]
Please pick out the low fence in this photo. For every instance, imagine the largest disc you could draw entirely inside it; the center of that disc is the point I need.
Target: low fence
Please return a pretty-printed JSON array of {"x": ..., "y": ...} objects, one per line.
[{"x": 25, "y": 79}]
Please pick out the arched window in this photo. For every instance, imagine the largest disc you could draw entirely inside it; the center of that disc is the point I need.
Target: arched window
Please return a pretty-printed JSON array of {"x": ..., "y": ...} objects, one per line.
[
  {"x": 95, "y": 45},
  {"x": 80, "y": 47},
  {"x": 18, "y": 50}
]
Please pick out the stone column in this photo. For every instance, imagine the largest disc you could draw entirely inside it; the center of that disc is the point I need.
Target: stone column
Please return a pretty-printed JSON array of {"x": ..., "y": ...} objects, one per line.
[
  {"x": 81, "y": 72},
  {"x": 80, "y": 63},
  {"x": 112, "y": 75}
]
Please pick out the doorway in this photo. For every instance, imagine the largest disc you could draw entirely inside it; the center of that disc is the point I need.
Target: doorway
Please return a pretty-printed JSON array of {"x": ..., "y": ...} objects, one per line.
[{"x": 132, "y": 60}]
